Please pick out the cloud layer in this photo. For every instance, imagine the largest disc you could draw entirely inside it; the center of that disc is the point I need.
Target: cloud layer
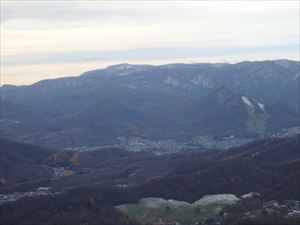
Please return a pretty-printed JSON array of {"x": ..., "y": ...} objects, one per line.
[{"x": 99, "y": 33}]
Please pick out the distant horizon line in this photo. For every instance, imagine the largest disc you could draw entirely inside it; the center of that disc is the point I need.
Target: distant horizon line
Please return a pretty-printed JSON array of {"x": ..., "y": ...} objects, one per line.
[{"x": 231, "y": 62}]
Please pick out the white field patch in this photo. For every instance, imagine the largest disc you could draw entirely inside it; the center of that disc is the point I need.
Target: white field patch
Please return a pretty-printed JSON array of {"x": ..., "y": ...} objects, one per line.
[
  {"x": 250, "y": 195},
  {"x": 219, "y": 199},
  {"x": 159, "y": 202}
]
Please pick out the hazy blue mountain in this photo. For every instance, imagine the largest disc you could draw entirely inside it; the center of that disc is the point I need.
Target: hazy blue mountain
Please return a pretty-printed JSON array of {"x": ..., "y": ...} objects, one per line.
[
  {"x": 247, "y": 99},
  {"x": 269, "y": 81}
]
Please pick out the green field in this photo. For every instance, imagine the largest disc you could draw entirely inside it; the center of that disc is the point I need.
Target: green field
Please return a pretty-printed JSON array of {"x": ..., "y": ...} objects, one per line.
[
  {"x": 149, "y": 210},
  {"x": 257, "y": 122}
]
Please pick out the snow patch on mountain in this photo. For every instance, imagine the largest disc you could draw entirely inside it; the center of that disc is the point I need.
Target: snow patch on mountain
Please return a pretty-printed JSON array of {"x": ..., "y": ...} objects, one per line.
[
  {"x": 283, "y": 62},
  {"x": 132, "y": 87},
  {"x": 203, "y": 81},
  {"x": 118, "y": 67},
  {"x": 246, "y": 101},
  {"x": 172, "y": 81},
  {"x": 125, "y": 69},
  {"x": 260, "y": 105}
]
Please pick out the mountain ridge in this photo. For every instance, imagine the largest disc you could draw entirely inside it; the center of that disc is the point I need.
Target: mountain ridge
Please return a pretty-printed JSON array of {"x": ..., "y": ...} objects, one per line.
[{"x": 161, "y": 102}]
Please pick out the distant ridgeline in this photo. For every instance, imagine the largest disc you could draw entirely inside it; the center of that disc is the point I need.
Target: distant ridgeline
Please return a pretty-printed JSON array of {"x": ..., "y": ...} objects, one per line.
[{"x": 198, "y": 105}]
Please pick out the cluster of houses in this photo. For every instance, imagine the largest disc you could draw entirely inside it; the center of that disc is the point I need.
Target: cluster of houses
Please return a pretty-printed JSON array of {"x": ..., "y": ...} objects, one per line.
[{"x": 16, "y": 195}]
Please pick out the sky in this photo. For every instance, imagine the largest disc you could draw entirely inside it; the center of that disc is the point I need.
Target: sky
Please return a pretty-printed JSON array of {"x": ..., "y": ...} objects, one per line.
[{"x": 50, "y": 39}]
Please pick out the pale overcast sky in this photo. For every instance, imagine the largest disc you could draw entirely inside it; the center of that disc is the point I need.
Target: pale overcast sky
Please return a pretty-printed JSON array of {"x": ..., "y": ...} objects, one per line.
[{"x": 47, "y": 39}]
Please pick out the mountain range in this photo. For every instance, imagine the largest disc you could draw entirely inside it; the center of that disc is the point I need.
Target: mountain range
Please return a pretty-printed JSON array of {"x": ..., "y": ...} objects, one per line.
[{"x": 174, "y": 101}]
